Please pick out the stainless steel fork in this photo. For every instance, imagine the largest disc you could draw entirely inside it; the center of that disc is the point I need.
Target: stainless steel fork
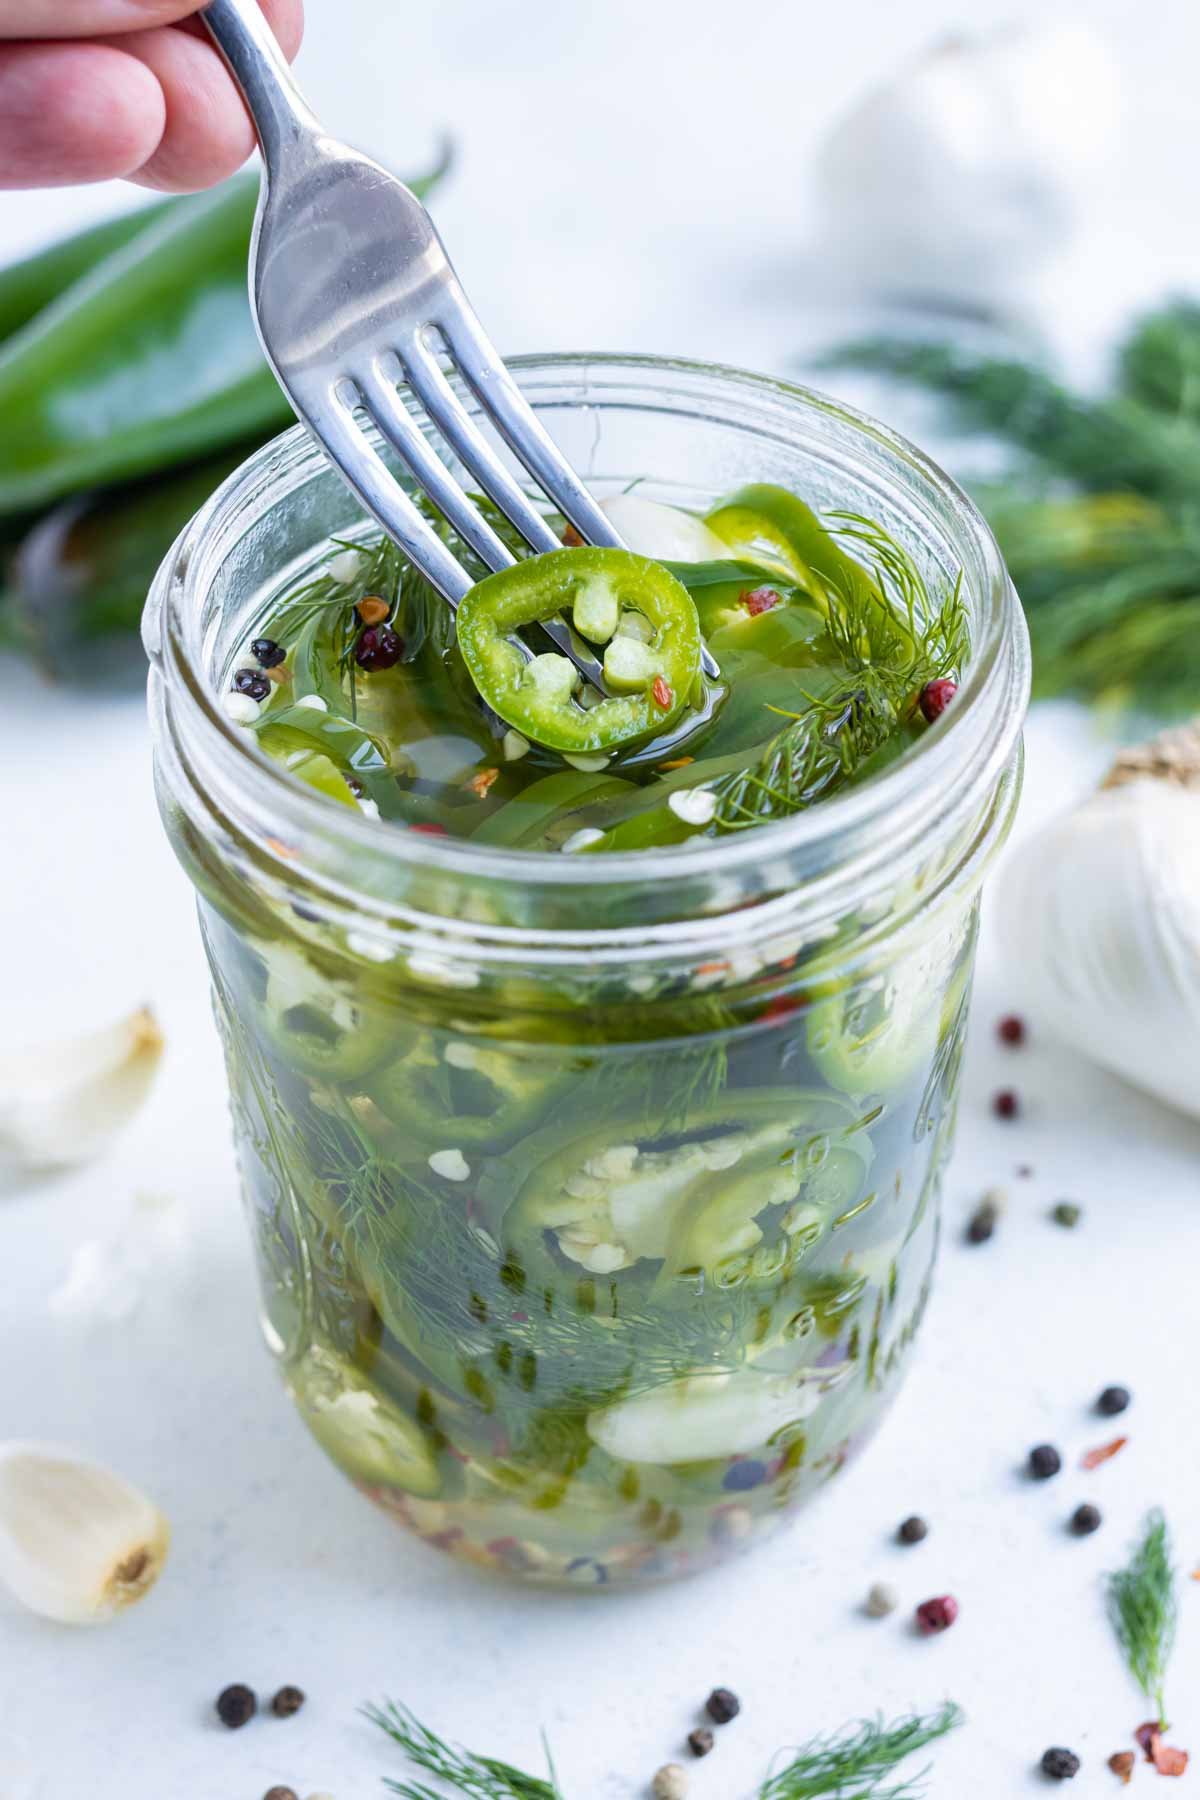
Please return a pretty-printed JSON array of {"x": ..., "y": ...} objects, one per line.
[{"x": 354, "y": 295}]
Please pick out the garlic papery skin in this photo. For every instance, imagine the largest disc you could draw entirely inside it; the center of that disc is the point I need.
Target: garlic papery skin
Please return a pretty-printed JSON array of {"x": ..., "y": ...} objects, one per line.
[
  {"x": 1100, "y": 916},
  {"x": 77, "y": 1543},
  {"x": 972, "y": 165},
  {"x": 63, "y": 1103},
  {"x": 666, "y": 533}
]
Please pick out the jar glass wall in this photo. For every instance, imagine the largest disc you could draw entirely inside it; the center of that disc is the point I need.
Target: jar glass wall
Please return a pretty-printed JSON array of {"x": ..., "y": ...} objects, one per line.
[{"x": 595, "y": 1200}]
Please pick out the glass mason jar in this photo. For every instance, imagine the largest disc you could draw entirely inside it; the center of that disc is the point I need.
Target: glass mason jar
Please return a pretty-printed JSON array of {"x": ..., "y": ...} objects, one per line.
[{"x": 595, "y": 1200}]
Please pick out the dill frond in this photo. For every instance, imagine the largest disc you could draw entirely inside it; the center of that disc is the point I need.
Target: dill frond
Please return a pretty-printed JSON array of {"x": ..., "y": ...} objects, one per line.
[
  {"x": 892, "y": 640},
  {"x": 480, "y": 1777},
  {"x": 1142, "y": 1608},
  {"x": 852, "y": 1764}
]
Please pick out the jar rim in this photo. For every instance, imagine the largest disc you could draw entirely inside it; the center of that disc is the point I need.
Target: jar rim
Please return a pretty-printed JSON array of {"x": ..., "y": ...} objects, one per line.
[{"x": 966, "y": 756}]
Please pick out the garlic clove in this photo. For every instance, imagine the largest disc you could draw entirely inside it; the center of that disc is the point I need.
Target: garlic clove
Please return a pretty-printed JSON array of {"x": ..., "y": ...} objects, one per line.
[
  {"x": 77, "y": 1543},
  {"x": 62, "y": 1103},
  {"x": 666, "y": 533}
]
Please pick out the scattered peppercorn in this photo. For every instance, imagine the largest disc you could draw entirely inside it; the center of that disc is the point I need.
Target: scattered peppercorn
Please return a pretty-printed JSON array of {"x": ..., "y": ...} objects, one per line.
[
  {"x": 936, "y": 697},
  {"x": 1113, "y": 1400},
  {"x": 1060, "y": 1765},
  {"x": 572, "y": 539},
  {"x": 982, "y": 1223},
  {"x": 281, "y": 1793},
  {"x": 1011, "y": 1030},
  {"x": 913, "y": 1530},
  {"x": 1085, "y": 1519},
  {"x": 1121, "y": 1763},
  {"x": 378, "y": 647},
  {"x": 287, "y": 1701},
  {"x": 267, "y": 653},
  {"x": 1066, "y": 1212},
  {"x": 251, "y": 682},
  {"x": 1005, "y": 1104},
  {"x": 671, "y": 1782},
  {"x": 372, "y": 610},
  {"x": 936, "y": 1615},
  {"x": 881, "y": 1600},
  {"x": 236, "y": 1705},
  {"x": 700, "y": 1741},
  {"x": 662, "y": 691},
  {"x": 1044, "y": 1461},
  {"x": 722, "y": 1705}
]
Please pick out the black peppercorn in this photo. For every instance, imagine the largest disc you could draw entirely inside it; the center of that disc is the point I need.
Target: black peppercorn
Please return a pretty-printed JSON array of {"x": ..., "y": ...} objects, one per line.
[
  {"x": 700, "y": 1741},
  {"x": 1044, "y": 1461},
  {"x": 267, "y": 653},
  {"x": 281, "y": 1793},
  {"x": 1113, "y": 1400},
  {"x": 1084, "y": 1520},
  {"x": 982, "y": 1223},
  {"x": 913, "y": 1530},
  {"x": 378, "y": 647},
  {"x": 236, "y": 1705},
  {"x": 1060, "y": 1765},
  {"x": 721, "y": 1706},
  {"x": 287, "y": 1701},
  {"x": 252, "y": 682}
]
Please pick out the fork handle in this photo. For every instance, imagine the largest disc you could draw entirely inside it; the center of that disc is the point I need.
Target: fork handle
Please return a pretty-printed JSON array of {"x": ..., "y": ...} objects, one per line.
[{"x": 281, "y": 114}]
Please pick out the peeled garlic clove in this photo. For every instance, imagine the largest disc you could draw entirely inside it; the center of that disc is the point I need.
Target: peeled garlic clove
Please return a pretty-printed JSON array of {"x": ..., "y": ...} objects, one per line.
[
  {"x": 77, "y": 1543},
  {"x": 666, "y": 533},
  {"x": 62, "y": 1103},
  {"x": 1100, "y": 914}
]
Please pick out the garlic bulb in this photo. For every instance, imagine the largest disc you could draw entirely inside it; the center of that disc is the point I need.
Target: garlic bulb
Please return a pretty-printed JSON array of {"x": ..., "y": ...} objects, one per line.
[
  {"x": 77, "y": 1543},
  {"x": 62, "y": 1103},
  {"x": 972, "y": 164},
  {"x": 1100, "y": 915}
]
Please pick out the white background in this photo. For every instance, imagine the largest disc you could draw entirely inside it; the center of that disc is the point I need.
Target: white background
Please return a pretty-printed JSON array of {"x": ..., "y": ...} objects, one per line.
[{"x": 630, "y": 176}]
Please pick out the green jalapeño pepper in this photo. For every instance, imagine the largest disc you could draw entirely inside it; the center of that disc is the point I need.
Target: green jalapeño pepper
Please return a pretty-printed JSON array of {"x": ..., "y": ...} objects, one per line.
[
  {"x": 462, "y": 1092},
  {"x": 646, "y": 619}
]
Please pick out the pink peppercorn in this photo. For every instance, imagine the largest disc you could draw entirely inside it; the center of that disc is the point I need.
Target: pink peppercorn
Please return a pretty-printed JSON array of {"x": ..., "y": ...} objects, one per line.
[
  {"x": 936, "y": 697},
  {"x": 1011, "y": 1030},
  {"x": 1005, "y": 1104},
  {"x": 936, "y": 1615}
]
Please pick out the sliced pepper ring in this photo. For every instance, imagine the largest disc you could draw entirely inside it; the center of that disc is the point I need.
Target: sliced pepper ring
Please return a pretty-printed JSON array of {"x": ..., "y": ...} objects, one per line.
[{"x": 546, "y": 711}]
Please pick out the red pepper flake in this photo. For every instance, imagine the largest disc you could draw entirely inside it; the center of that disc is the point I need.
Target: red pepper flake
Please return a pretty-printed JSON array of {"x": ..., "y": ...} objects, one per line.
[
  {"x": 482, "y": 783},
  {"x": 663, "y": 695},
  {"x": 431, "y": 830},
  {"x": 1168, "y": 1760},
  {"x": 1121, "y": 1763},
  {"x": 758, "y": 600},
  {"x": 1196, "y": 1574},
  {"x": 1094, "y": 1458},
  {"x": 372, "y": 610},
  {"x": 572, "y": 539},
  {"x": 677, "y": 762},
  {"x": 936, "y": 697},
  {"x": 780, "y": 1008}
]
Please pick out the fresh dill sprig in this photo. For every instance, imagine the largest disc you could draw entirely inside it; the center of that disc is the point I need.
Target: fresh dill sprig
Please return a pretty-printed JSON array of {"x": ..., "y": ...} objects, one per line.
[
  {"x": 480, "y": 1777},
  {"x": 1142, "y": 1608},
  {"x": 852, "y": 1764},
  {"x": 1097, "y": 512},
  {"x": 892, "y": 640}
]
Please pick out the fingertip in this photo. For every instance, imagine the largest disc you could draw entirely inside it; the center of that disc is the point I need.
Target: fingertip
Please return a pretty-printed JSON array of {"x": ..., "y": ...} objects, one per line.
[
  {"x": 75, "y": 112},
  {"x": 286, "y": 19}
]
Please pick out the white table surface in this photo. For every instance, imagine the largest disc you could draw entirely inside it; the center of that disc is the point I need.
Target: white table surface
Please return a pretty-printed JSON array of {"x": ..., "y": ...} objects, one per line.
[{"x": 279, "y": 1571}]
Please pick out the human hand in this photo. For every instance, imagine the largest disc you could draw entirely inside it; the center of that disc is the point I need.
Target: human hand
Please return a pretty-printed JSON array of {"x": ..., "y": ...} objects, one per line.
[{"x": 91, "y": 89}]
